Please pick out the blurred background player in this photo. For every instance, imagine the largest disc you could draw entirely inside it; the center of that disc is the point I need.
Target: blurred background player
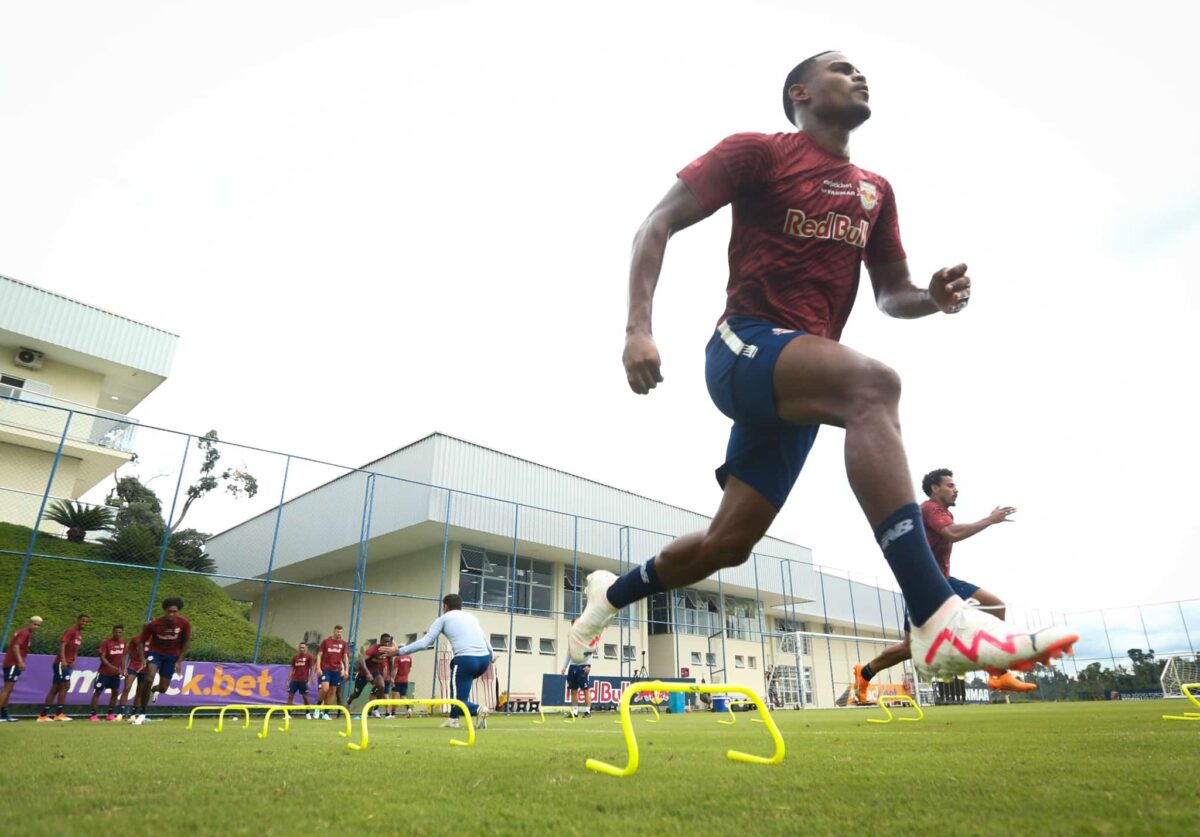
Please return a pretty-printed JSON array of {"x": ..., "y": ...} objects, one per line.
[
  {"x": 15, "y": 654},
  {"x": 333, "y": 667},
  {"x": 133, "y": 676},
  {"x": 110, "y": 672},
  {"x": 64, "y": 662},
  {"x": 162, "y": 644},
  {"x": 373, "y": 668},
  {"x": 942, "y": 533},
  {"x": 579, "y": 679},
  {"x": 401, "y": 666},
  {"x": 303, "y": 665},
  {"x": 472, "y": 652}
]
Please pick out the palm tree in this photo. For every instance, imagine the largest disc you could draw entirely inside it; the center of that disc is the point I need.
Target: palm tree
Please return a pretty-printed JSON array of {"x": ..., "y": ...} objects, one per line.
[{"x": 80, "y": 519}]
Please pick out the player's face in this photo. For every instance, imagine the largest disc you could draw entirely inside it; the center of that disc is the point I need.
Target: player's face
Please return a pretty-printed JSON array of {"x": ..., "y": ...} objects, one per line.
[
  {"x": 303, "y": 648},
  {"x": 838, "y": 92},
  {"x": 946, "y": 492},
  {"x": 171, "y": 612},
  {"x": 118, "y": 633},
  {"x": 83, "y": 622},
  {"x": 337, "y": 633},
  {"x": 35, "y": 626}
]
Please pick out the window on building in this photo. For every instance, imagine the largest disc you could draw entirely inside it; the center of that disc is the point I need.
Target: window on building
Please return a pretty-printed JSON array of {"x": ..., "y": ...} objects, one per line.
[
  {"x": 410, "y": 639},
  {"x": 628, "y": 652},
  {"x": 546, "y": 646},
  {"x": 21, "y": 388},
  {"x": 11, "y": 386},
  {"x": 739, "y": 661},
  {"x": 712, "y": 658},
  {"x": 697, "y": 660},
  {"x": 499, "y": 642},
  {"x": 494, "y": 581},
  {"x": 787, "y": 642},
  {"x": 610, "y": 652},
  {"x": 524, "y": 645},
  {"x": 752, "y": 662}
]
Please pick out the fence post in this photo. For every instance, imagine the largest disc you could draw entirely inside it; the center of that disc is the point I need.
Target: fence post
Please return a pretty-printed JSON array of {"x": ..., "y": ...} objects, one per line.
[
  {"x": 262, "y": 607},
  {"x": 512, "y": 609},
  {"x": 853, "y": 615},
  {"x": 762, "y": 640},
  {"x": 441, "y": 594},
  {"x": 1145, "y": 633},
  {"x": 828, "y": 629},
  {"x": 12, "y": 607},
  {"x": 1104, "y": 624},
  {"x": 360, "y": 565},
  {"x": 1186, "y": 633},
  {"x": 162, "y": 552}
]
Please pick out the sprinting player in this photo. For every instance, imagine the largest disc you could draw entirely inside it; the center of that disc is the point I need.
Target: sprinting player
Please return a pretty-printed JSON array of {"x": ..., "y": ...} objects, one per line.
[
  {"x": 162, "y": 646},
  {"x": 472, "y": 652},
  {"x": 579, "y": 679},
  {"x": 942, "y": 533},
  {"x": 15, "y": 654},
  {"x": 373, "y": 668},
  {"x": 302, "y": 671},
  {"x": 401, "y": 668},
  {"x": 133, "y": 677},
  {"x": 804, "y": 219},
  {"x": 63, "y": 665},
  {"x": 112, "y": 669},
  {"x": 333, "y": 667}
]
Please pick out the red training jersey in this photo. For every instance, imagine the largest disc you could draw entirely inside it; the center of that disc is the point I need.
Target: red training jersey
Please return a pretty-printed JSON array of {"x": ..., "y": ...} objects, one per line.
[
  {"x": 375, "y": 662},
  {"x": 133, "y": 665},
  {"x": 400, "y": 668},
  {"x": 111, "y": 652},
  {"x": 332, "y": 650},
  {"x": 20, "y": 641},
  {"x": 302, "y": 666},
  {"x": 937, "y": 517},
  {"x": 803, "y": 222},
  {"x": 72, "y": 638},
  {"x": 163, "y": 637}
]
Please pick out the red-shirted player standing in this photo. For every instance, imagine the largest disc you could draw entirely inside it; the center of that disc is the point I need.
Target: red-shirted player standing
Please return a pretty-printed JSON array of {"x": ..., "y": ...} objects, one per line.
[
  {"x": 303, "y": 665},
  {"x": 112, "y": 669},
  {"x": 804, "y": 220},
  {"x": 133, "y": 673},
  {"x": 64, "y": 663},
  {"x": 332, "y": 667},
  {"x": 15, "y": 654},
  {"x": 942, "y": 533},
  {"x": 398, "y": 682},
  {"x": 161, "y": 646}
]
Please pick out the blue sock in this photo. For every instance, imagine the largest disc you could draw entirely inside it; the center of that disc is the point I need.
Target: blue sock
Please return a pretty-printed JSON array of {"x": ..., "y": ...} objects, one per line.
[
  {"x": 902, "y": 538},
  {"x": 637, "y": 584}
]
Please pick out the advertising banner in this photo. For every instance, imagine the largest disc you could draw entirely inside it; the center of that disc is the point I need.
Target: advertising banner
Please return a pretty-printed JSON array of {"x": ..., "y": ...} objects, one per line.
[
  {"x": 196, "y": 683},
  {"x": 606, "y": 691}
]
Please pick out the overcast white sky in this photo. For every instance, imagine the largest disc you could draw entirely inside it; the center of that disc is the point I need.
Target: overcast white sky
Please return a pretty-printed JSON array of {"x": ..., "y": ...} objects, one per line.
[{"x": 370, "y": 221}]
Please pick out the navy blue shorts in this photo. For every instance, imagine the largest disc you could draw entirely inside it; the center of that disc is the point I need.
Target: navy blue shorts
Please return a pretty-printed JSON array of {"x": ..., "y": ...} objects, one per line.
[
  {"x": 963, "y": 589},
  {"x": 332, "y": 676},
  {"x": 764, "y": 451},
  {"x": 61, "y": 673},
  {"x": 297, "y": 686},
  {"x": 135, "y": 675},
  {"x": 400, "y": 689},
  {"x": 165, "y": 663},
  {"x": 105, "y": 682},
  {"x": 12, "y": 674},
  {"x": 577, "y": 678}
]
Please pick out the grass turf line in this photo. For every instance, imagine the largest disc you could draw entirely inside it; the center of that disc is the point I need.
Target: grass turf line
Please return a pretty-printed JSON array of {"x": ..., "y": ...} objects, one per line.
[{"x": 1057, "y": 768}]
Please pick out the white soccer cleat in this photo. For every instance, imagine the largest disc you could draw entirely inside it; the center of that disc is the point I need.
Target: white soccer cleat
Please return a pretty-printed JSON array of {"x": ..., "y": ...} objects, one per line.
[
  {"x": 451, "y": 723},
  {"x": 586, "y": 630},
  {"x": 481, "y": 718},
  {"x": 960, "y": 638}
]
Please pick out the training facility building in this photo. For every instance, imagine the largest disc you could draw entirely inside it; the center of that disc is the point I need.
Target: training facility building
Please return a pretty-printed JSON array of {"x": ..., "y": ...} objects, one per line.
[
  {"x": 517, "y": 539},
  {"x": 65, "y": 365}
]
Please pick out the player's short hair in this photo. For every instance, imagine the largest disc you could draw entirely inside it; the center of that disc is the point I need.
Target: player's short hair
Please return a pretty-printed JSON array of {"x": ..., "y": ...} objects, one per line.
[
  {"x": 302, "y": 642},
  {"x": 82, "y": 616},
  {"x": 799, "y": 75},
  {"x": 452, "y": 601},
  {"x": 934, "y": 478},
  {"x": 174, "y": 601},
  {"x": 121, "y": 627},
  {"x": 37, "y": 619},
  {"x": 337, "y": 627},
  {"x": 382, "y": 637}
]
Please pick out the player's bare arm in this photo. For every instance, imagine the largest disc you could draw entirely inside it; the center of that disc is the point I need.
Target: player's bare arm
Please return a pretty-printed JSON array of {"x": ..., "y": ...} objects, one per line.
[
  {"x": 896, "y": 295},
  {"x": 956, "y": 532},
  {"x": 678, "y": 210}
]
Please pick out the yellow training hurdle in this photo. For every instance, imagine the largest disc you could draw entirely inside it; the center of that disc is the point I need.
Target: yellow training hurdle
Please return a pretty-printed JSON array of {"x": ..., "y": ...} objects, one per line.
[
  {"x": 658, "y": 686},
  {"x": 195, "y": 709},
  {"x": 287, "y": 718},
  {"x": 1187, "y": 716},
  {"x": 900, "y": 700},
  {"x": 542, "y": 710},
  {"x": 650, "y": 706},
  {"x": 246, "y": 707},
  {"x": 371, "y": 704}
]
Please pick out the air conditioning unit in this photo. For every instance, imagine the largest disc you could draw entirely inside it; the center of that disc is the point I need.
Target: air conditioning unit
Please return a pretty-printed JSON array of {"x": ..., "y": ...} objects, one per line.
[{"x": 29, "y": 358}]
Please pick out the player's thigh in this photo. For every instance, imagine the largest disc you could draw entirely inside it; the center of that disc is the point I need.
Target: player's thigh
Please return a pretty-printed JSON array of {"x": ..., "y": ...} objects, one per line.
[
  {"x": 986, "y": 598},
  {"x": 820, "y": 381}
]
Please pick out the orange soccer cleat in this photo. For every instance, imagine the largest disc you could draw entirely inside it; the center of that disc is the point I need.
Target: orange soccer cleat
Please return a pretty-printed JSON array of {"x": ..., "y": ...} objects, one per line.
[
  {"x": 1009, "y": 682},
  {"x": 860, "y": 686}
]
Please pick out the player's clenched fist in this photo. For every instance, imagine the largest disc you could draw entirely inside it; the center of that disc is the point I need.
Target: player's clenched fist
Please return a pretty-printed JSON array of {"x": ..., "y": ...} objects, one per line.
[
  {"x": 950, "y": 289},
  {"x": 641, "y": 363}
]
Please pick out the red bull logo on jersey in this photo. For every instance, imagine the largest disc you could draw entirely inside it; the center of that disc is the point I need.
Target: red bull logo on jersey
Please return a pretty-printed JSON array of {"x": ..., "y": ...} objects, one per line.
[
  {"x": 834, "y": 227},
  {"x": 868, "y": 195}
]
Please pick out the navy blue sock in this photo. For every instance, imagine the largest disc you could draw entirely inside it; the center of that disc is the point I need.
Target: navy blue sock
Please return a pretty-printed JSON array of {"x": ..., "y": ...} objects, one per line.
[
  {"x": 637, "y": 584},
  {"x": 866, "y": 672},
  {"x": 902, "y": 538}
]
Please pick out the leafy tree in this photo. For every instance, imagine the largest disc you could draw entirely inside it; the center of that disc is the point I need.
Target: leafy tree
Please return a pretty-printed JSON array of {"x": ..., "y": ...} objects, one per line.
[
  {"x": 131, "y": 545},
  {"x": 137, "y": 505},
  {"x": 187, "y": 550},
  {"x": 237, "y": 481},
  {"x": 80, "y": 519}
]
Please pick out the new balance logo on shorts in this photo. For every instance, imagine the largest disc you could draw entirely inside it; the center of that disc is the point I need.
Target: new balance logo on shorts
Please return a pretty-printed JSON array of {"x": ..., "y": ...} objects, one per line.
[{"x": 895, "y": 533}]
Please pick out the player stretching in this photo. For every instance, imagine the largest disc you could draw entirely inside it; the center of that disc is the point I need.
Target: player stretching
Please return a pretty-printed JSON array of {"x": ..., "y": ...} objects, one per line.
[
  {"x": 112, "y": 669},
  {"x": 804, "y": 218},
  {"x": 472, "y": 655},
  {"x": 942, "y": 533},
  {"x": 579, "y": 679},
  {"x": 331, "y": 662},
  {"x": 302, "y": 669},
  {"x": 161, "y": 647},
  {"x": 401, "y": 669},
  {"x": 15, "y": 654},
  {"x": 64, "y": 662},
  {"x": 133, "y": 676}
]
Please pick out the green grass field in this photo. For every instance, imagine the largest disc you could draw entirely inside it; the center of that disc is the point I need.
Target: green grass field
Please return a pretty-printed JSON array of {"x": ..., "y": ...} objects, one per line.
[{"x": 1071, "y": 768}]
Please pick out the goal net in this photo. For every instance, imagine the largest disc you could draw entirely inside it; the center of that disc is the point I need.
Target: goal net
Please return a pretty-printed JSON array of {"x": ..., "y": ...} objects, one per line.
[{"x": 1177, "y": 673}]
